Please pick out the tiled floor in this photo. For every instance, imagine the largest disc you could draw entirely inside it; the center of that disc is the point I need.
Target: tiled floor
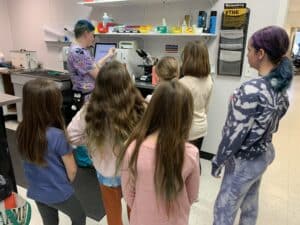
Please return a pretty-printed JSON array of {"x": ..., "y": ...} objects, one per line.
[{"x": 280, "y": 191}]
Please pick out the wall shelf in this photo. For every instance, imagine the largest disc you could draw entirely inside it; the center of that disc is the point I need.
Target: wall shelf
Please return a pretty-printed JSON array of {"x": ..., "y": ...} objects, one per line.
[
  {"x": 58, "y": 42},
  {"x": 105, "y": 4},
  {"x": 207, "y": 35},
  {"x": 110, "y": 3}
]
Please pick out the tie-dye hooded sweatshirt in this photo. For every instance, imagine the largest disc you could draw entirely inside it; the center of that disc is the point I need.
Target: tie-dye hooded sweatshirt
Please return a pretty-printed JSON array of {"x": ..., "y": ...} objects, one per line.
[{"x": 254, "y": 113}]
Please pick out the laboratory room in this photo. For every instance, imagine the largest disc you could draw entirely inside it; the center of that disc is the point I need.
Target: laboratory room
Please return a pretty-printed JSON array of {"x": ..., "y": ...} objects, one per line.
[{"x": 149, "y": 112}]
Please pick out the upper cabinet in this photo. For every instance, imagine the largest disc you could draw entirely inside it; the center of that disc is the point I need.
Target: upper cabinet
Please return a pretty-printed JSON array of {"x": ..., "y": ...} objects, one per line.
[{"x": 108, "y": 3}]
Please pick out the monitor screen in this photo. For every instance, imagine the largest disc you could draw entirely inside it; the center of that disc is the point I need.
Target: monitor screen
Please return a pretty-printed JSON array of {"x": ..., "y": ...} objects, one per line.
[{"x": 101, "y": 49}]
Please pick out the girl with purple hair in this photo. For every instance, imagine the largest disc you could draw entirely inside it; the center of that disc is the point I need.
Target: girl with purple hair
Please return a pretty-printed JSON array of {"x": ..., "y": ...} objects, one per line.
[{"x": 254, "y": 113}]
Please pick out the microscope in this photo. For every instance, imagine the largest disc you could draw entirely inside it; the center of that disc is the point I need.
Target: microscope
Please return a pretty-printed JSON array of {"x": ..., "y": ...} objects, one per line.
[{"x": 148, "y": 62}]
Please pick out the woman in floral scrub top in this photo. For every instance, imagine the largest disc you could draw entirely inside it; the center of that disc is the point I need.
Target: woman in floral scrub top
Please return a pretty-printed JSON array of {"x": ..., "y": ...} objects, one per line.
[{"x": 82, "y": 66}]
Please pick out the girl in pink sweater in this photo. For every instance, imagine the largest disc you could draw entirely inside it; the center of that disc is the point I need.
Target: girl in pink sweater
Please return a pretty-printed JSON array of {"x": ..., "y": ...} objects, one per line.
[{"x": 160, "y": 169}]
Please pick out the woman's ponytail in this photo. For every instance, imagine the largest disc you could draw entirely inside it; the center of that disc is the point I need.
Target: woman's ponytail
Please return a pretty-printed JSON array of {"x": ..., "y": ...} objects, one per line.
[{"x": 281, "y": 76}]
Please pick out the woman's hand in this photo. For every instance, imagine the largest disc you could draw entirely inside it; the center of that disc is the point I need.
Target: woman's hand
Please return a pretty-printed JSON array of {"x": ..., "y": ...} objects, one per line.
[
  {"x": 216, "y": 170},
  {"x": 111, "y": 52}
]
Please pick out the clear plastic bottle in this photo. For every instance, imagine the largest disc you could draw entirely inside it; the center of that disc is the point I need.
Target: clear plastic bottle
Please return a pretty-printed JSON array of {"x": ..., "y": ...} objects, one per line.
[
  {"x": 105, "y": 19},
  {"x": 183, "y": 27}
]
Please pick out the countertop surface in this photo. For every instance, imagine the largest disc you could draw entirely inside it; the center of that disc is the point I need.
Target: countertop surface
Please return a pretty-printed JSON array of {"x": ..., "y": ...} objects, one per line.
[
  {"x": 4, "y": 70},
  {"x": 6, "y": 99},
  {"x": 50, "y": 74},
  {"x": 145, "y": 85}
]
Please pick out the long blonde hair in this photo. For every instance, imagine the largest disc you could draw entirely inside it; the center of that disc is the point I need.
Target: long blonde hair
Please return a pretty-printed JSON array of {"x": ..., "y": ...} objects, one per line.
[{"x": 114, "y": 108}]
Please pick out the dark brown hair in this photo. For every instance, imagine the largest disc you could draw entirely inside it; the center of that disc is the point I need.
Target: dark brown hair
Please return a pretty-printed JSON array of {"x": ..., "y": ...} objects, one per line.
[
  {"x": 195, "y": 59},
  {"x": 167, "y": 68},
  {"x": 169, "y": 113},
  {"x": 114, "y": 108},
  {"x": 41, "y": 109}
]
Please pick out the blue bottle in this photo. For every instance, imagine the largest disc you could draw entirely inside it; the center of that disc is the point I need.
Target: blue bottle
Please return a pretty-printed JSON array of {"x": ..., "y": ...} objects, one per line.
[
  {"x": 213, "y": 22},
  {"x": 202, "y": 19}
]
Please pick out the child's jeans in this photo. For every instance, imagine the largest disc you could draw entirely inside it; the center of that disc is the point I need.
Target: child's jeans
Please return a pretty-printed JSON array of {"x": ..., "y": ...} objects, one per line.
[{"x": 239, "y": 189}]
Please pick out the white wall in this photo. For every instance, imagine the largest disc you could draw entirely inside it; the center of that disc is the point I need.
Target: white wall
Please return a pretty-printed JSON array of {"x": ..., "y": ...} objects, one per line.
[
  {"x": 27, "y": 18},
  {"x": 5, "y": 37},
  {"x": 263, "y": 13},
  {"x": 283, "y": 12}
]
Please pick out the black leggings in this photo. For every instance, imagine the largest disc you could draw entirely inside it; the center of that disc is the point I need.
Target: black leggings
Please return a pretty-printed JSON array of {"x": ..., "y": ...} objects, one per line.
[
  {"x": 71, "y": 207},
  {"x": 198, "y": 143}
]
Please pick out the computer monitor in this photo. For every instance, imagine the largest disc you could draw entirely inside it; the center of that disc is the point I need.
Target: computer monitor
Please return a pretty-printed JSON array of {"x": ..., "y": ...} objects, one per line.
[{"x": 101, "y": 49}]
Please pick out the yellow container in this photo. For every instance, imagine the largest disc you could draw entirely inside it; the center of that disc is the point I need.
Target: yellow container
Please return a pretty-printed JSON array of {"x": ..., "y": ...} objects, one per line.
[
  {"x": 189, "y": 30},
  {"x": 145, "y": 28},
  {"x": 175, "y": 30}
]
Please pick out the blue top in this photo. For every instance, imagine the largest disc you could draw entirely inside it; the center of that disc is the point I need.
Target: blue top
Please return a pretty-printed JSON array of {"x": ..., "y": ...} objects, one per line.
[
  {"x": 49, "y": 184},
  {"x": 253, "y": 116},
  {"x": 80, "y": 63}
]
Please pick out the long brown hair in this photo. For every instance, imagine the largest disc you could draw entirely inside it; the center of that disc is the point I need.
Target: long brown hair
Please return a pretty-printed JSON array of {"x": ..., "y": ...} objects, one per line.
[
  {"x": 170, "y": 112},
  {"x": 114, "y": 108},
  {"x": 195, "y": 59},
  {"x": 41, "y": 109}
]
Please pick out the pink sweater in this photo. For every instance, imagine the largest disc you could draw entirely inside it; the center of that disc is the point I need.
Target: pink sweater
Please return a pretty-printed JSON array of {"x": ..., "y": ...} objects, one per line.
[{"x": 146, "y": 208}]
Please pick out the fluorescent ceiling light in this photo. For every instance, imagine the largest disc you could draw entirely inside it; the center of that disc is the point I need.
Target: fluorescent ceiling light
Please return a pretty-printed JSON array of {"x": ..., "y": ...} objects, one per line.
[{"x": 102, "y": 1}]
